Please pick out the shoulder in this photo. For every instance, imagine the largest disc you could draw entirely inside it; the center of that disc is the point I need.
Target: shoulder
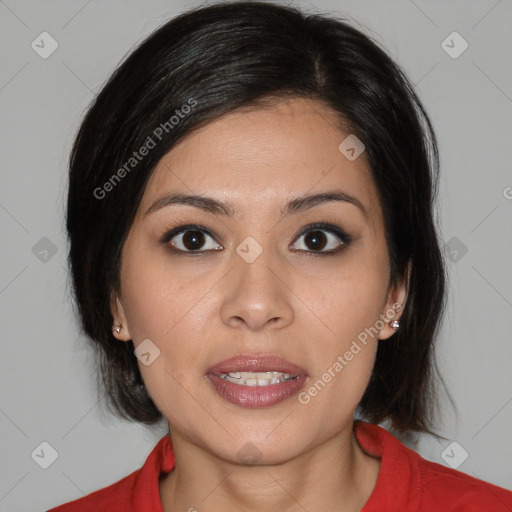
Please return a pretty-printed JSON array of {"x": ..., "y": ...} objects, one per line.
[
  {"x": 113, "y": 498},
  {"x": 456, "y": 491},
  {"x": 137, "y": 491},
  {"x": 410, "y": 483}
]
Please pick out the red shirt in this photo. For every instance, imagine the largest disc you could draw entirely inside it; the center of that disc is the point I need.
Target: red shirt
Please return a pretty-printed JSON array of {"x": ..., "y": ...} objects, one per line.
[{"x": 406, "y": 483}]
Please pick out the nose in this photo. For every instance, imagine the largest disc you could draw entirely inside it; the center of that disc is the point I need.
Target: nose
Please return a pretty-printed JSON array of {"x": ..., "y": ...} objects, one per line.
[{"x": 256, "y": 294}]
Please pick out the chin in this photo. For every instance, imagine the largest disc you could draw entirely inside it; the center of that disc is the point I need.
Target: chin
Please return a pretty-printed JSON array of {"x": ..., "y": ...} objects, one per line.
[{"x": 258, "y": 445}]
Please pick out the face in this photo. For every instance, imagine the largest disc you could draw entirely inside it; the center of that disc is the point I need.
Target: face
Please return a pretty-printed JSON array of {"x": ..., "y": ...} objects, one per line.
[{"x": 280, "y": 284}]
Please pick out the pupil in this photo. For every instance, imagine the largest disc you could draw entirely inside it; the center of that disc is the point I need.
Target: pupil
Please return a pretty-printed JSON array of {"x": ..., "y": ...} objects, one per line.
[
  {"x": 316, "y": 240},
  {"x": 193, "y": 240}
]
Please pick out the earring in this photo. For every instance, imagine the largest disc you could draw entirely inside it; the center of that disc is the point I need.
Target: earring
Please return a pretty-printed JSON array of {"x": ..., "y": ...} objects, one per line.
[
  {"x": 395, "y": 324},
  {"x": 116, "y": 328}
]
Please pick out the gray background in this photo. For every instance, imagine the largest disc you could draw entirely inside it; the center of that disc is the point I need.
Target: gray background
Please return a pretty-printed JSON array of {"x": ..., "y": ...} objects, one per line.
[{"x": 47, "y": 391}]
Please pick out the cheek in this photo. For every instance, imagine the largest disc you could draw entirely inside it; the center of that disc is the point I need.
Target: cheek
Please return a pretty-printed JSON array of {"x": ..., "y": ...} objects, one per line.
[
  {"x": 171, "y": 311},
  {"x": 157, "y": 299},
  {"x": 349, "y": 297},
  {"x": 343, "y": 356}
]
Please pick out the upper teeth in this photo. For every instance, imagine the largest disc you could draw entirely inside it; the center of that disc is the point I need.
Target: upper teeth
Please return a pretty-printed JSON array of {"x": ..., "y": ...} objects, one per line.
[{"x": 256, "y": 378}]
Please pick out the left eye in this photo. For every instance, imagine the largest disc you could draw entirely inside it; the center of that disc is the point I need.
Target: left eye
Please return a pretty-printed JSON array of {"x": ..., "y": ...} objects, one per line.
[{"x": 321, "y": 240}]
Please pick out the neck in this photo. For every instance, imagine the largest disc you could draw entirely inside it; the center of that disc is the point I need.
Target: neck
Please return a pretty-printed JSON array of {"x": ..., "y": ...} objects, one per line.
[{"x": 336, "y": 476}]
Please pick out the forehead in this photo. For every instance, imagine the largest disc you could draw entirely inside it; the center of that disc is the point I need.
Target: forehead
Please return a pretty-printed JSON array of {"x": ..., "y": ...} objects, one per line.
[{"x": 260, "y": 157}]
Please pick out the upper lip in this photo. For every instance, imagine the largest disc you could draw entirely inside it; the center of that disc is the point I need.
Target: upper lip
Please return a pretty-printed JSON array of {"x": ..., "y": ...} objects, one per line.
[{"x": 251, "y": 363}]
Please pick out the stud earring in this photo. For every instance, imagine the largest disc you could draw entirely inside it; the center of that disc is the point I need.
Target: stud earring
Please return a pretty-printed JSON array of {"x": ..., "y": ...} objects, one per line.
[
  {"x": 395, "y": 324},
  {"x": 116, "y": 328}
]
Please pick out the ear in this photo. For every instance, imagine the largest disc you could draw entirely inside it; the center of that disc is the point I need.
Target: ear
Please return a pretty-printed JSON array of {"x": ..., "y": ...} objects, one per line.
[
  {"x": 395, "y": 303},
  {"x": 119, "y": 319}
]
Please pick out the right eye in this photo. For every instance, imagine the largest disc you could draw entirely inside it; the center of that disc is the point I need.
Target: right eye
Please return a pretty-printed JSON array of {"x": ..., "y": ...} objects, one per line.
[{"x": 190, "y": 239}]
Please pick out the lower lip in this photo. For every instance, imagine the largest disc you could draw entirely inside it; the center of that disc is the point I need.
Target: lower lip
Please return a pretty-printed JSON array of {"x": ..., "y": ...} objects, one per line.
[{"x": 256, "y": 396}]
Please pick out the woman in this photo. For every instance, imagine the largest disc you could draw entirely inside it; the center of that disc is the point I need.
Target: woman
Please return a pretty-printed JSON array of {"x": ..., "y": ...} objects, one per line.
[{"x": 254, "y": 255}]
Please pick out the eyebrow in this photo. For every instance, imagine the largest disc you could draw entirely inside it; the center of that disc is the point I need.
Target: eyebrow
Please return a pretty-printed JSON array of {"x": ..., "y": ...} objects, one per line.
[{"x": 294, "y": 206}]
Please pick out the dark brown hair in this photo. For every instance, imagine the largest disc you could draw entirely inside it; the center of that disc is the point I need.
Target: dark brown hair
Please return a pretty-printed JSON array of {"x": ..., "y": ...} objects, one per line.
[{"x": 241, "y": 54}]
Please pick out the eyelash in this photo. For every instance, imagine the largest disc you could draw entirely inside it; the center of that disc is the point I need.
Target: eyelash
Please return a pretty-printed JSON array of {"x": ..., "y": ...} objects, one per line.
[{"x": 344, "y": 237}]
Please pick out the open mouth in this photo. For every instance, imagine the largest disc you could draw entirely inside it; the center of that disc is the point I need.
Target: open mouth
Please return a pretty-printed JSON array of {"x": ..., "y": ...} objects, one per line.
[
  {"x": 256, "y": 381},
  {"x": 257, "y": 378}
]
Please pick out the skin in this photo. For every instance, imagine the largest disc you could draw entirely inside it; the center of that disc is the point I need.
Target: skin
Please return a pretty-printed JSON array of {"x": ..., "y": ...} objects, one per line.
[{"x": 199, "y": 310}]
